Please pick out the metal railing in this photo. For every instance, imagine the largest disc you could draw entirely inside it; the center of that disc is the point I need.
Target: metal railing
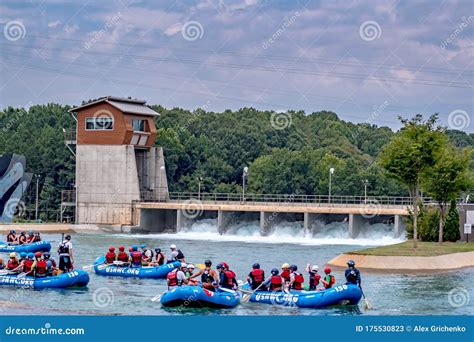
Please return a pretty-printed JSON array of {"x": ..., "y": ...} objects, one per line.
[
  {"x": 288, "y": 199},
  {"x": 68, "y": 197},
  {"x": 70, "y": 136}
]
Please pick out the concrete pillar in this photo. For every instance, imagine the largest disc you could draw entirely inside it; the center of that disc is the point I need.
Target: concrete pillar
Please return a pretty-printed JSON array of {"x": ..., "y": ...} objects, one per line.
[
  {"x": 355, "y": 223},
  {"x": 182, "y": 220},
  {"x": 399, "y": 226},
  {"x": 224, "y": 219},
  {"x": 309, "y": 224},
  {"x": 266, "y": 220}
]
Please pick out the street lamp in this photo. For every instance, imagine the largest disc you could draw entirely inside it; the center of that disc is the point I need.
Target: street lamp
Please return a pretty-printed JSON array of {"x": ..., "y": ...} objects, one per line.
[
  {"x": 199, "y": 187},
  {"x": 159, "y": 188},
  {"x": 244, "y": 175},
  {"x": 366, "y": 182},
  {"x": 331, "y": 171}
]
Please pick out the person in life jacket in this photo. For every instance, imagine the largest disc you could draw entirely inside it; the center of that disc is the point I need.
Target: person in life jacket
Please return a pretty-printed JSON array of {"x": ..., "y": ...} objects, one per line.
[
  {"x": 31, "y": 236},
  {"x": 135, "y": 258},
  {"x": 23, "y": 256},
  {"x": 37, "y": 237},
  {"x": 147, "y": 255},
  {"x": 285, "y": 275},
  {"x": 13, "y": 264},
  {"x": 227, "y": 276},
  {"x": 11, "y": 237},
  {"x": 29, "y": 263},
  {"x": 110, "y": 256},
  {"x": 50, "y": 264},
  {"x": 189, "y": 273},
  {"x": 275, "y": 283},
  {"x": 40, "y": 267},
  {"x": 22, "y": 238},
  {"x": 65, "y": 255},
  {"x": 256, "y": 277},
  {"x": 314, "y": 277},
  {"x": 122, "y": 256},
  {"x": 209, "y": 277},
  {"x": 296, "y": 278},
  {"x": 176, "y": 254},
  {"x": 328, "y": 280},
  {"x": 352, "y": 274},
  {"x": 160, "y": 258},
  {"x": 177, "y": 277}
]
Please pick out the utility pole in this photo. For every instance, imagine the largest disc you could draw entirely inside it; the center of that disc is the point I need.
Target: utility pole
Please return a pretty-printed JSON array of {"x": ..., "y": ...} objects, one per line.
[
  {"x": 366, "y": 182},
  {"x": 199, "y": 187},
  {"x": 331, "y": 171},
  {"x": 244, "y": 175},
  {"x": 37, "y": 197}
]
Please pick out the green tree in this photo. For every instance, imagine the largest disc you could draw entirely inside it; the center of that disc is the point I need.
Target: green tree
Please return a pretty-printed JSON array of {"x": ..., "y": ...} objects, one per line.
[
  {"x": 446, "y": 179},
  {"x": 409, "y": 154},
  {"x": 451, "y": 229}
]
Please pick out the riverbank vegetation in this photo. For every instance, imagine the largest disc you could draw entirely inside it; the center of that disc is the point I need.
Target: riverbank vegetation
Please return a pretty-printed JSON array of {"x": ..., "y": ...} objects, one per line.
[
  {"x": 424, "y": 249},
  {"x": 287, "y": 153}
]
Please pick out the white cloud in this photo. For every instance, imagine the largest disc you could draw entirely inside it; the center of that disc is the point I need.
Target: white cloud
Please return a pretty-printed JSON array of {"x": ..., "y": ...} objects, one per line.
[{"x": 54, "y": 23}]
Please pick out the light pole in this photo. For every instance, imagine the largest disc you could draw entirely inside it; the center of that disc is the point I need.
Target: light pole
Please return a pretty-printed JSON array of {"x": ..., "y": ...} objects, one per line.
[
  {"x": 244, "y": 175},
  {"x": 199, "y": 187},
  {"x": 162, "y": 168},
  {"x": 37, "y": 197},
  {"x": 366, "y": 182},
  {"x": 331, "y": 171}
]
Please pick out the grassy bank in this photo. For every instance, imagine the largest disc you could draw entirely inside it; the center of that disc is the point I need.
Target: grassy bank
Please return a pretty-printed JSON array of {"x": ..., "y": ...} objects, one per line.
[{"x": 424, "y": 249}]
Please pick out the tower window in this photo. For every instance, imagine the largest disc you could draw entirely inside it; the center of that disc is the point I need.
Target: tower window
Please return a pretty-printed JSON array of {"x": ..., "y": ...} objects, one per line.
[
  {"x": 138, "y": 125},
  {"x": 100, "y": 124}
]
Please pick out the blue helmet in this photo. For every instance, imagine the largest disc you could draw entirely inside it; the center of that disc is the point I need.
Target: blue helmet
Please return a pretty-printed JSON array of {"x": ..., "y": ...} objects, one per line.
[
  {"x": 142, "y": 245},
  {"x": 256, "y": 265},
  {"x": 31, "y": 255},
  {"x": 294, "y": 268},
  {"x": 12, "y": 232},
  {"x": 23, "y": 255},
  {"x": 30, "y": 232},
  {"x": 134, "y": 248},
  {"x": 220, "y": 266},
  {"x": 46, "y": 255}
]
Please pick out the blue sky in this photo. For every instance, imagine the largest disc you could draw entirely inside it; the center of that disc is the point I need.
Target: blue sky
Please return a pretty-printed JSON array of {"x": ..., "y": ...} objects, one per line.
[{"x": 368, "y": 61}]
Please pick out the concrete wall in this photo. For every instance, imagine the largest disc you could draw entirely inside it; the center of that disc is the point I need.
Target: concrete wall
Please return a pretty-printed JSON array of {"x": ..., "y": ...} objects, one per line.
[
  {"x": 157, "y": 221},
  {"x": 106, "y": 183}
]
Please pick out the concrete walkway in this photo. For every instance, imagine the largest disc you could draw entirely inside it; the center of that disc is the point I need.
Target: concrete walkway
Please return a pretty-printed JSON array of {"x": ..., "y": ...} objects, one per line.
[
  {"x": 408, "y": 264},
  {"x": 48, "y": 227}
]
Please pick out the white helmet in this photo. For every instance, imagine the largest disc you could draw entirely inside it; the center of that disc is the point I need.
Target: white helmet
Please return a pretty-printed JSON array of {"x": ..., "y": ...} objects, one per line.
[
  {"x": 173, "y": 246},
  {"x": 191, "y": 266},
  {"x": 183, "y": 265},
  {"x": 315, "y": 268}
]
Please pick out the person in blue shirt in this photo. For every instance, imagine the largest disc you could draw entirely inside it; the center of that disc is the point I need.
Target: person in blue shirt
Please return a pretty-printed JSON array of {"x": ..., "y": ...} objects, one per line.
[{"x": 352, "y": 274}]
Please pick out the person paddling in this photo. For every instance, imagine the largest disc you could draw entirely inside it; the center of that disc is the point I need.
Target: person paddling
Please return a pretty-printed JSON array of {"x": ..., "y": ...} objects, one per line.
[
  {"x": 177, "y": 277},
  {"x": 176, "y": 254},
  {"x": 160, "y": 257},
  {"x": 256, "y": 277},
  {"x": 189, "y": 273},
  {"x": 31, "y": 237},
  {"x": 147, "y": 255},
  {"x": 135, "y": 257},
  {"x": 37, "y": 237},
  {"x": 328, "y": 280},
  {"x": 314, "y": 277},
  {"x": 285, "y": 275},
  {"x": 122, "y": 256},
  {"x": 11, "y": 237},
  {"x": 275, "y": 283},
  {"x": 110, "y": 256},
  {"x": 22, "y": 238},
  {"x": 50, "y": 264},
  {"x": 209, "y": 277},
  {"x": 13, "y": 264},
  {"x": 40, "y": 267},
  {"x": 296, "y": 279},
  {"x": 227, "y": 276},
  {"x": 29, "y": 263},
  {"x": 352, "y": 274},
  {"x": 66, "y": 260}
]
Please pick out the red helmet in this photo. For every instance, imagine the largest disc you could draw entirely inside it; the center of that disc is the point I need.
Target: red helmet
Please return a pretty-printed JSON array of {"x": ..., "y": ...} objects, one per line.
[
  {"x": 121, "y": 248},
  {"x": 130, "y": 249},
  {"x": 111, "y": 249},
  {"x": 38, "y": 255},
  {"x": 226, "y": 265},
  {"x": 327, "y": 270}
]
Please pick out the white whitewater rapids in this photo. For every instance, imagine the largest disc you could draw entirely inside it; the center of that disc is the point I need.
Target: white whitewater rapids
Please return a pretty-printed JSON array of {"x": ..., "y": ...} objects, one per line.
[{"x": 335, "y": 233}]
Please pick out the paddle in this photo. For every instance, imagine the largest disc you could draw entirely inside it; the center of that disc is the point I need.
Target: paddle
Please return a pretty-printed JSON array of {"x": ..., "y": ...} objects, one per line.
[
  {"x": 156, "y": 298},
  {"x": 23, "y": 275},
  {"x": 246, "y": 296},
  {"x": 367, "y": 305}
]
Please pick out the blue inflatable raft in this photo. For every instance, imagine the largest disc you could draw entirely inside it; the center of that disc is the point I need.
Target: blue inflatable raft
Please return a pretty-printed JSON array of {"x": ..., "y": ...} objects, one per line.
[
  {"x": 77, "y": 278},
  {"x": 41, "y": 246},
  {"x": 197, "y": 297},
  {"x": 337, "y": 295},
  {"x": 155, "y": 272}
]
